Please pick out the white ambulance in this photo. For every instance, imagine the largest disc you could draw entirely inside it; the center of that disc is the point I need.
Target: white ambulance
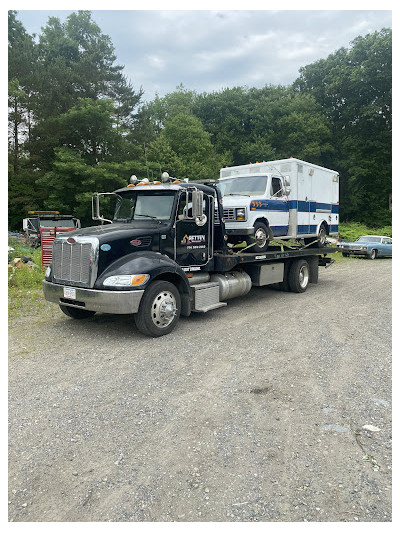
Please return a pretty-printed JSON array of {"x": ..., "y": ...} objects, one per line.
[{"x": 285, "y": 199}]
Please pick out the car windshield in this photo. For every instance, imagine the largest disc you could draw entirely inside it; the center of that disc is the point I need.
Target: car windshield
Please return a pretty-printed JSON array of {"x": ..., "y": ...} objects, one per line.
[
  {"x": 144, "y": 205},
  {"x": 368, "y": 239},
  {"x": 249, "y": 185}
]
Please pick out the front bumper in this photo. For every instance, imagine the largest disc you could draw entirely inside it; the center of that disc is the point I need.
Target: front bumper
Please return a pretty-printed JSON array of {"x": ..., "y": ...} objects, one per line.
[
  {"x": 350, "y": 251},
  {"x": 239, "y": 231},
  {"x": 112, "y": 302}
]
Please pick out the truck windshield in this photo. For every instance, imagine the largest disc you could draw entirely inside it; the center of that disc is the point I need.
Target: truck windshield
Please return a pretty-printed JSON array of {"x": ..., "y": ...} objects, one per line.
[
  {"x": 143, "y": 205},
  {"x": 247, "y": 186}
]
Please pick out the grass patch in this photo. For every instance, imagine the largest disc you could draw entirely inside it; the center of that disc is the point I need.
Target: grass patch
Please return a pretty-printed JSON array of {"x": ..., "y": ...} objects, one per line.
[{"x": 24, "y": 278}]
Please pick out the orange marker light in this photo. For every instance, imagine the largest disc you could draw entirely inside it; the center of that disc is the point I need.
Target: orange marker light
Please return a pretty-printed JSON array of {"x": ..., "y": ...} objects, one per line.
[{"x": 139, "y": 279}]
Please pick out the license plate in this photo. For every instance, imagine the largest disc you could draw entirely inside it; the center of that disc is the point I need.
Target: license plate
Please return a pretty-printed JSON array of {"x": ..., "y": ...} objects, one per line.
[{"x": 70, "y": 293}]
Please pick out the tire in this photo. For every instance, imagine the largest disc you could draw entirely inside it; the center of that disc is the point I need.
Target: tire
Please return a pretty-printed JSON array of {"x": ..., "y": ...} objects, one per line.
[
  {"x": 159, "y": 309},
  {"x": 373, "y": 254},
  {"x": 261, "y": 238},
  {"x": 345, "y": 254},
  {"x": 320, "y": 240},
  {"x": 75, "y": 312},
  {"x": 299, "y": 276}
]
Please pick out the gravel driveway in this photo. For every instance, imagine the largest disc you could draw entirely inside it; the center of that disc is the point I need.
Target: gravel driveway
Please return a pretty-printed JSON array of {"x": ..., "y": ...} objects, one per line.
[{"x": 252, "y": 412}]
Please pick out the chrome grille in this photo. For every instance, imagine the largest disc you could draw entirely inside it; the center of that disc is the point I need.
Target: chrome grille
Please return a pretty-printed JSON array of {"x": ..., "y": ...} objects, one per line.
[
  {"x": 229, "y": 214},
  {"x": 71, "y": 262}
]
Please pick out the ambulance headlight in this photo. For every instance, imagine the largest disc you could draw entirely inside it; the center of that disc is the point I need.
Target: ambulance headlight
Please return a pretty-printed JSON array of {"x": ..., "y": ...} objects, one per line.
[{"x": 241, "y": 214}]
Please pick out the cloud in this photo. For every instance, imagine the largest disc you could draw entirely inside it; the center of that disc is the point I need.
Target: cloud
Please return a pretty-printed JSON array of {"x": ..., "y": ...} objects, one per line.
[{"x": 209, "y": 50}]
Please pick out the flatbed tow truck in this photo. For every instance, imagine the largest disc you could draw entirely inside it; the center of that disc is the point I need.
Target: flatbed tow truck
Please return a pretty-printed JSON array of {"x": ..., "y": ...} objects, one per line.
[{"x": 166, "y": 253}]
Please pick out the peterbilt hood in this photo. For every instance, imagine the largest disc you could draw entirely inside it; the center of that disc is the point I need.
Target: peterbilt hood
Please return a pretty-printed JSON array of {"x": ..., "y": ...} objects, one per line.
[{"x": 112, "y": 232}]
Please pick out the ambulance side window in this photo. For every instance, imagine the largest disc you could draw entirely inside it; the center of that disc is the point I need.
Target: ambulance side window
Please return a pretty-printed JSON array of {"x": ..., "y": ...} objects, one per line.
[{"x": 276, "y": 187}]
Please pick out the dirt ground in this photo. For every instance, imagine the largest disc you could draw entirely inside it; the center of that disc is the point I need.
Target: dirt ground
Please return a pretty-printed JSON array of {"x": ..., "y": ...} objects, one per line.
[{"x": 276, "y": 408}]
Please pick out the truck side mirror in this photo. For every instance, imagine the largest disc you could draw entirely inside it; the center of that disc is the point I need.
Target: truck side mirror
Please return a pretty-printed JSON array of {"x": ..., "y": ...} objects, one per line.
[
  {"x": 96, "y": 206},
  {"x": 197, "y": 207}
]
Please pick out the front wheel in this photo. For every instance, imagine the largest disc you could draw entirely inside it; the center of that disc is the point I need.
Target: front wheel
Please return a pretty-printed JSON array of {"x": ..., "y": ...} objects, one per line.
[
  {"x": 159, "y": 309},
  {"x": 373, "y": 254},
  {"x": 260, "y": 238},
  {"x": 76, "y": 312}
]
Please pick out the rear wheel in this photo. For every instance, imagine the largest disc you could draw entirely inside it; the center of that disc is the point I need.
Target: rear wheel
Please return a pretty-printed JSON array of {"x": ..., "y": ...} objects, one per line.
[
  {"x": 299, "y": 275},
  {"x": 159, "y": 309},
  {"x": 321, "y": 239},
  {"x": 75, "y": 312}
]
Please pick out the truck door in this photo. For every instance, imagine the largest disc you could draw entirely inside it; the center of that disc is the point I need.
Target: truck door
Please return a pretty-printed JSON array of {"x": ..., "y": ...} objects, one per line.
[
  {"x": 193, "y": 243},
  {"x": 278, "y": 208}
]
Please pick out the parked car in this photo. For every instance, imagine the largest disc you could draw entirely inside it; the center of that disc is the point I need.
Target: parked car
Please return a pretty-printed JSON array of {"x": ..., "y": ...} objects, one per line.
[{"x": 371, "y": 246}]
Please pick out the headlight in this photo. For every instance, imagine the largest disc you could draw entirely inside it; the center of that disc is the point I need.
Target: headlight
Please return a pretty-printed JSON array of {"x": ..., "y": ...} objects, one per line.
[
  {"x": 126, "y": 280},
  {"x": 48, "y": 272},
  {"x": 241, "y": 213}
]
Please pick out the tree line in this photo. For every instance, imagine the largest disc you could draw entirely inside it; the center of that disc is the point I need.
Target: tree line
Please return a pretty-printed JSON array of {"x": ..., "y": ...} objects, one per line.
[{"x": 77, "y": 125}]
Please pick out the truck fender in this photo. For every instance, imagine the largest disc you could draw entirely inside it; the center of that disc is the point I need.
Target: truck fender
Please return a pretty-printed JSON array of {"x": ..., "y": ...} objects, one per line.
[{"x": 157, "y": 266}]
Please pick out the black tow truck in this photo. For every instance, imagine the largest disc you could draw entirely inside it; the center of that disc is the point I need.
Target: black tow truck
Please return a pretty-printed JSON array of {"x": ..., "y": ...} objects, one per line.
[{"x": 166, "y": 253}]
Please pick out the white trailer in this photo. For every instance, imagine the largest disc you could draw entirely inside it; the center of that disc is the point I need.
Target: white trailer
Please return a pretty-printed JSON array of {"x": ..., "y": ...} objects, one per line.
[{"x": 285, "y": 199}]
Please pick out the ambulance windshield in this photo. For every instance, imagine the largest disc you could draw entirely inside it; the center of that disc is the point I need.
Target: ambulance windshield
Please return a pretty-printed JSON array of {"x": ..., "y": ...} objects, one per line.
[{"x": 247, "y": 186}]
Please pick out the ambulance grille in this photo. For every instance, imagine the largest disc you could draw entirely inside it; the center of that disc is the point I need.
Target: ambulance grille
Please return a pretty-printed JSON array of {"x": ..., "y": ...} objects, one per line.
[
  {"x": 229, "y": 214},
  {"x": 72, "y": 262}
]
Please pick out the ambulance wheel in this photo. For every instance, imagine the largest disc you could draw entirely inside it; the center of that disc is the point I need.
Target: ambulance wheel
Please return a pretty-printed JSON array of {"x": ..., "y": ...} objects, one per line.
[
  {"x": 75, "y": 312},
  {"x": 260, "y": 238},
  {"x": 321, "y": 239},
  {"x": 299, "y": 275},
  {"x": 159, "y": 309}
]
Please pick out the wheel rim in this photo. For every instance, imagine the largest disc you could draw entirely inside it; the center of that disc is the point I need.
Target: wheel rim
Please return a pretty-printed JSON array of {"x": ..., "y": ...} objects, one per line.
[
  {"x": 373, "y": 253},
  {"x": 322, "y": 235},
  {"x": 163, "y": 310},
  {"x": 303, "y": 276},
  {"x": 260, "y": 237}
]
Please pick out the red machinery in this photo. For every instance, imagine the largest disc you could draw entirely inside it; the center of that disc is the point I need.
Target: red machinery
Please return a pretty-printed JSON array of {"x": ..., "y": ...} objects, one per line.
[{"x": 47, "y": 236}]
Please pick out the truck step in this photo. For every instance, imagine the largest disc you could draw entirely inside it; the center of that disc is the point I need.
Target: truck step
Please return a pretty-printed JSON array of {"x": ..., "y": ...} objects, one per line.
[{"x": 206, "y": 297}]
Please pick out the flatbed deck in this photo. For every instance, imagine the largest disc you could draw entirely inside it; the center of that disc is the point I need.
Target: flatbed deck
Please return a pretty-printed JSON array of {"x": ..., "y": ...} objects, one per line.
[{"x": 226, "y": 262}]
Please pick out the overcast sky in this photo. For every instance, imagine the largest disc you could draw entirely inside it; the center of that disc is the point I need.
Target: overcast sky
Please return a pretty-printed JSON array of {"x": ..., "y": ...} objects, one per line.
[{"x": 211, "y": 50}]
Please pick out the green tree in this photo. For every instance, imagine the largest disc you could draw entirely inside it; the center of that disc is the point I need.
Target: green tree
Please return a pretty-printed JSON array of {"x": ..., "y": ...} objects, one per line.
[{"x": 354, "y": 87}]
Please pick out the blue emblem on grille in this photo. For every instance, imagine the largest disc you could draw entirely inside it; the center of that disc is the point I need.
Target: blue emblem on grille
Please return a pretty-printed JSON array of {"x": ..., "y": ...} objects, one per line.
[{"x": 105, "y": 247}]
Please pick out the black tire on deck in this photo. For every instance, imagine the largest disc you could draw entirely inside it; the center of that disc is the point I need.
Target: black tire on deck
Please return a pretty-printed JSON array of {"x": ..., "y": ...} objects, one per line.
[
  {"x": 261, "y": 238},
  {"x": 159, "y": 309},
  {"x": 320, "y": 241}
]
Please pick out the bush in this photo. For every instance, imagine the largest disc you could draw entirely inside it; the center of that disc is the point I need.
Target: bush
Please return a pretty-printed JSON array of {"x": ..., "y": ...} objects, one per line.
[{"x": 350, "y": 231}]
